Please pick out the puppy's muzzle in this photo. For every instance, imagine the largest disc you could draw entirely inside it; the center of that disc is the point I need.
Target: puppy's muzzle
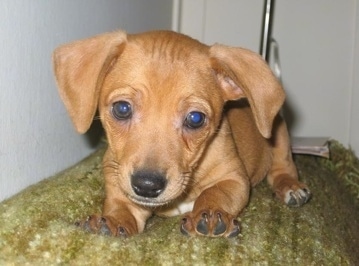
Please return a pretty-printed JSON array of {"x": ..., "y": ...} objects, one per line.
[{"x": 148, "y": 184}]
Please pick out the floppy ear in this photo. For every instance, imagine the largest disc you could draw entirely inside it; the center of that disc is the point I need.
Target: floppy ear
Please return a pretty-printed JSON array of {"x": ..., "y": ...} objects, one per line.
[
  {"x": 243, "y": 73},
  {"x": 80, "y": 68}
]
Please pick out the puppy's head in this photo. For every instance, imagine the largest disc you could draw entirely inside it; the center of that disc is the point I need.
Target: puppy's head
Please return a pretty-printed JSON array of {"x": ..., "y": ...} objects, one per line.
[{"x": 160, "y": 97}]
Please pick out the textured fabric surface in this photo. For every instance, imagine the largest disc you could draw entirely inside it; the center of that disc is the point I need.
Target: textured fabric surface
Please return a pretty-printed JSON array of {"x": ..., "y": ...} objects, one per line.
[{"x": 36, "y": 226}]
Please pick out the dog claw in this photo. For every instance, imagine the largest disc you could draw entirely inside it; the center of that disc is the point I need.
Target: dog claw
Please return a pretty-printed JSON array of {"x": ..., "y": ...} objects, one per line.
[
  {"x": 297, "y": 198},
  {"x": 121, "y": 231},
  {"x": 101, "y": 225},
  {"x": 236, "y": 230},
  {"x": 104, "y": 229},
  {"x": 183, "y": 229},
  {"x": 221, "y": 227},
  {"x": 85, "y": 225},
  {"x": 212, "y": 224},
  {"x": 202, "y": 226}
]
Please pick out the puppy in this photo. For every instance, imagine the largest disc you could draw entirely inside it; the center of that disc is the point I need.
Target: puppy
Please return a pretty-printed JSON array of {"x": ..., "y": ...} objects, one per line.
[{"x": 190, "y": 129}]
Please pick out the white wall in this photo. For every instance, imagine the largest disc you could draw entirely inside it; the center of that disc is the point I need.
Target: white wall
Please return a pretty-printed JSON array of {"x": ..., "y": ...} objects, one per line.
[
  {"x": 319, "y": 52},
  {"x": 317, "y": 42},
  {"x": 354, "y": 122},
  {"x": 36, "y": 136}
]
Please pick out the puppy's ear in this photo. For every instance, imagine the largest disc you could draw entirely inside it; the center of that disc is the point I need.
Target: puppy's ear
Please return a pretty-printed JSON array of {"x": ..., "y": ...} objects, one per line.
[
  {"x": 80, "y": 68},
  {"x": 243, "y": 73}
]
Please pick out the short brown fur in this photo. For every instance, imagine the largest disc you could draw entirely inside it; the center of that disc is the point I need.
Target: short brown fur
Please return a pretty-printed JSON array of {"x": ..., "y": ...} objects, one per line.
[{"x": 156, "y": 162}]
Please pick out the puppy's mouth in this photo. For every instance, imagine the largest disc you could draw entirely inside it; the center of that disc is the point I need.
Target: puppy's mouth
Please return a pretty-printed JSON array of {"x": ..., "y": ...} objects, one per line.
[
  {"x": 153, "y": 189},
  {"x": 148, "y": 202}
]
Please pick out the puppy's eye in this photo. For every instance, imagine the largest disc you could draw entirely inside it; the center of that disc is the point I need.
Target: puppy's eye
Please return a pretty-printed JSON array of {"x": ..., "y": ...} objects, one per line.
[
  {"x": 122, "y": 110},
  {"x": 195, "y": 120}
]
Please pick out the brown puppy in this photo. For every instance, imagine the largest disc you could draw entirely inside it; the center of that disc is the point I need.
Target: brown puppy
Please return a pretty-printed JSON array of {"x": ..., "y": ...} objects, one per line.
[{"x": 190, "y": 129}]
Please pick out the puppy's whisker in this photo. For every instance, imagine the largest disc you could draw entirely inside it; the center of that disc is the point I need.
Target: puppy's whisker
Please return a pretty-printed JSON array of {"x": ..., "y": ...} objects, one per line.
[
  {"x": 112, "y": 167},
  {"x": 188, "y": 183}
]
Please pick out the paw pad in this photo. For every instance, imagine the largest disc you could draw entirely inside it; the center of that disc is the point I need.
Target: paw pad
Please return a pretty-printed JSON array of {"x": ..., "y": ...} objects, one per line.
[
  {"x": 210, "y": 224},
  {"x": 221, "y": 226},
  {"x": 236, "y": 229},
  {"x": 102, "y": 226}
]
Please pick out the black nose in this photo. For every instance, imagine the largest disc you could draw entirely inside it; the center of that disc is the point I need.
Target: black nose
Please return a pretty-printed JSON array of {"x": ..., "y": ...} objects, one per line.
[{"x": 148, "y": 184}]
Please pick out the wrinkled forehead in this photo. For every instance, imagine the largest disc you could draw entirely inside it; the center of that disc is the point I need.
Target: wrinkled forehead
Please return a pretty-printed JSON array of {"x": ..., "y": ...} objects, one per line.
[
  {"x": 171, "y": 63},
  {"x": 167, "y": 54},
  {"x": 168, "y": 46}
]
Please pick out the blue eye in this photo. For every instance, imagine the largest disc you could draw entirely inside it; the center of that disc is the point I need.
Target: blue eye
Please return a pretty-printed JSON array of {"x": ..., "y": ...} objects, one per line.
[
  {"x": 122, "y": 110},
  {"x": 194, "y": 120}
]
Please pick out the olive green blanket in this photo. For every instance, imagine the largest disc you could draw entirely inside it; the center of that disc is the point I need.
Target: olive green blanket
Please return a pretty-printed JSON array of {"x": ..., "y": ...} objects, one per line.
[{"x": 36, "y": 226}]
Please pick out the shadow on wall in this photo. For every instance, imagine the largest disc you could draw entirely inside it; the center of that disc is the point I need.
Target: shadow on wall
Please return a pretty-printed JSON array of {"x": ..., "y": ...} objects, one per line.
[
  {"x": 289, "y": 114},
  {"x": 95, "y": 133}
]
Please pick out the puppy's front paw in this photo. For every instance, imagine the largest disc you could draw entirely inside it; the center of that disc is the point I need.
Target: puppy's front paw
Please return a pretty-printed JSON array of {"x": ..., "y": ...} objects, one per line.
[
  {"x": 102, "y": 225},
  {"x": 210, "y": 223}
]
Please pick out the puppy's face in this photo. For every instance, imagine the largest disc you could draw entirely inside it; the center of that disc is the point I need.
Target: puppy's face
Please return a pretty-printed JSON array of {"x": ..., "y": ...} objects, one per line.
[
  {"x": 160, "y": 96},
  {"x": 160, "y": 105}
]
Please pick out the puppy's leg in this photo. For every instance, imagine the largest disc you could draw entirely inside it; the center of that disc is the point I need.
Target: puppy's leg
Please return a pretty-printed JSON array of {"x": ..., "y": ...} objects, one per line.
[
  {"x": 120, "y": 216},
  {"x": 215, "y": 210},
  {"x": 283, "y": 176}
]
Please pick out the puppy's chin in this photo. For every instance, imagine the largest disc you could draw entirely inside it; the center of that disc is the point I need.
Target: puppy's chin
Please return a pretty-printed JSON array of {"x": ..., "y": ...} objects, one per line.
[{"x": 149, "y": 202}]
